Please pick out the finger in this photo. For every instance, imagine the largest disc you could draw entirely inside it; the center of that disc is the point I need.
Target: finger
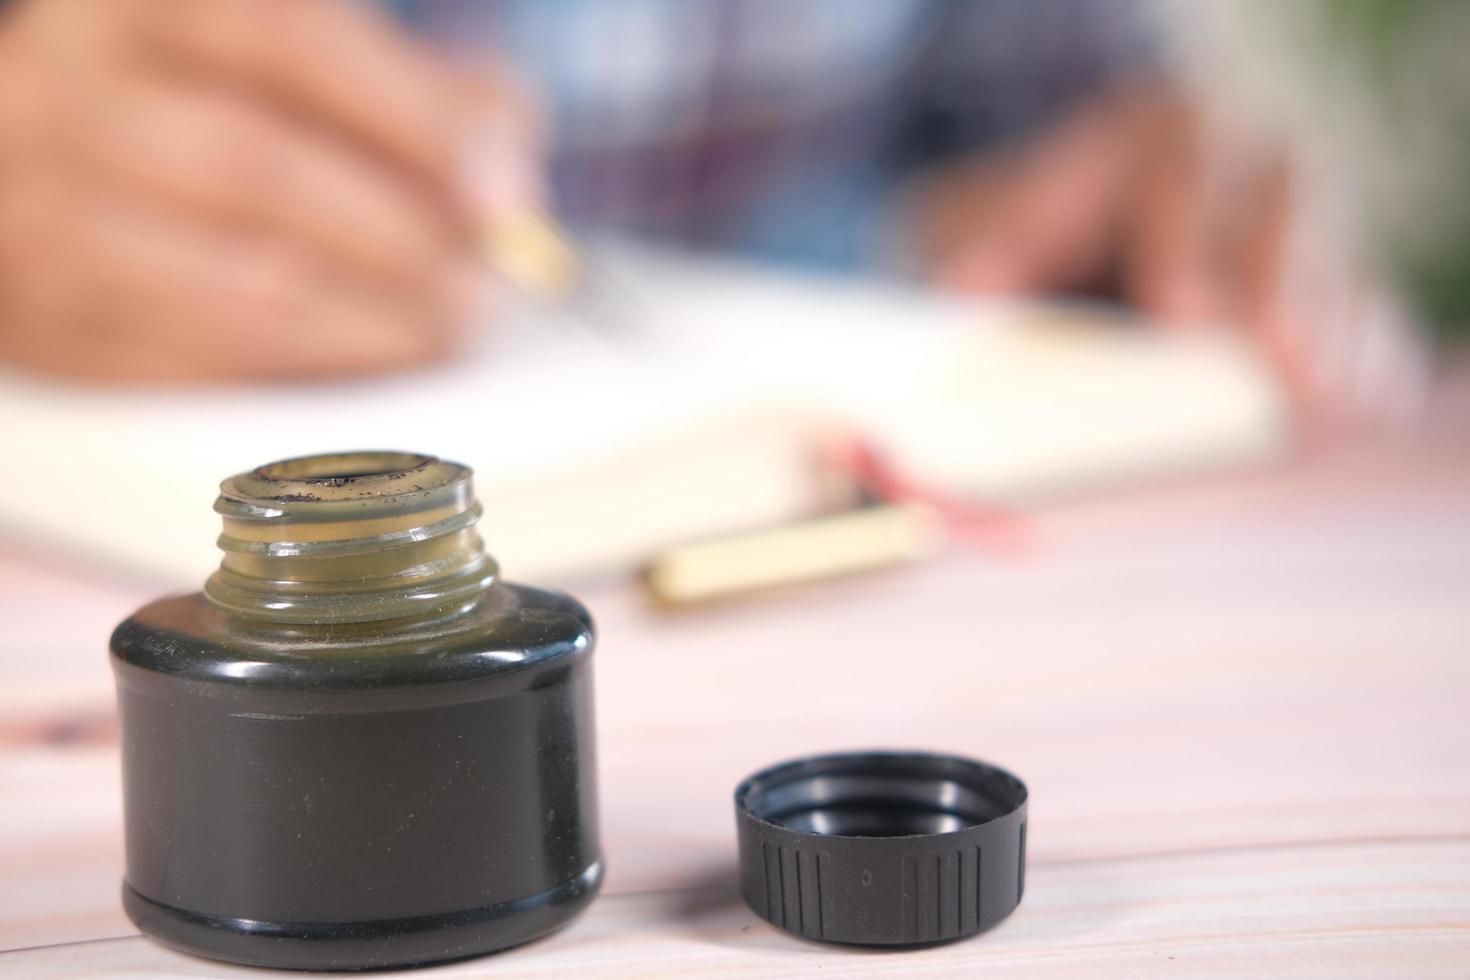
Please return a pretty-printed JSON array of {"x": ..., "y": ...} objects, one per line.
[
  {"x": 334, "y": 62},
  {"x": 39, "y": 290},
  {"x": 232, "y": 308},
  {"x": 1021, "y": 244},
  {"x": 212, "y": 152},
  {"x": 1170, "y": 261},
  {"x": 170, "y": 300},
  {"x": 1045, "y": 218},
  {"x": 1261, "y": 255},
  {"x": 982, "y": 237},
  {"x": 501, "y": 149}
]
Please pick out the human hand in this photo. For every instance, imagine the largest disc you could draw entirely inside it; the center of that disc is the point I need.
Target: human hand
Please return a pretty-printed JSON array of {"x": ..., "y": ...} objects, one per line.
[
  {"x": 1133, "y": 192},
  {"x": 232, "y": 189}
]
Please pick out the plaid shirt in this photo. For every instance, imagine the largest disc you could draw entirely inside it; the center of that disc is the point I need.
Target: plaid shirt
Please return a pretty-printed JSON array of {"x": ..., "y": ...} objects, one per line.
[{"x": 781, "y": 127}]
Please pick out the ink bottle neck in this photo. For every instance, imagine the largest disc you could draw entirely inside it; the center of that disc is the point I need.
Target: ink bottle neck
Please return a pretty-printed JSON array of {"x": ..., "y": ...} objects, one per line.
[{"x": 350, "y": 538}]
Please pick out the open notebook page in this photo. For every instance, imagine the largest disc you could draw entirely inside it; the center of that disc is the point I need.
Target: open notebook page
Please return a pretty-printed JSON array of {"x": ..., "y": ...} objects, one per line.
[{"x": 591, "y": 447}]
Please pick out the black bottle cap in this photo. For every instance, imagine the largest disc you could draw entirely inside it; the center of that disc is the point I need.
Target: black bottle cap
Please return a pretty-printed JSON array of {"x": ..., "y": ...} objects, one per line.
[{"x": 882, "y": 848}]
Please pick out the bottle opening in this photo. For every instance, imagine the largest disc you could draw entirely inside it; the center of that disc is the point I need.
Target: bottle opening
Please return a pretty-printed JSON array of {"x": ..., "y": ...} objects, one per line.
[{"x": 340, "y": 467}]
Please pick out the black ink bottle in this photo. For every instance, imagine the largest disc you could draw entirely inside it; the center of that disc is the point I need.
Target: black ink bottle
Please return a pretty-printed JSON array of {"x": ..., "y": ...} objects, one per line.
[{"x": 357, "y": 747}]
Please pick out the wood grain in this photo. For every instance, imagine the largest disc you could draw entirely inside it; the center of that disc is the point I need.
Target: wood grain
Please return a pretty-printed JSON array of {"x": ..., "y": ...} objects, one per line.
[{"x": 1243, "y": 709}]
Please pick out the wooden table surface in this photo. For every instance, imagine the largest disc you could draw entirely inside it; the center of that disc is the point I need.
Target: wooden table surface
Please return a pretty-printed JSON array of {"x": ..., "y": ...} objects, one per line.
[{"x": 1243, "y": 709}]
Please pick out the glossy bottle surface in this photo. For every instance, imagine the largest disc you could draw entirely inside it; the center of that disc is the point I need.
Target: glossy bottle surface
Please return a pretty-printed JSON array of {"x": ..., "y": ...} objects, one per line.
[{"x": 360, "y": 792}]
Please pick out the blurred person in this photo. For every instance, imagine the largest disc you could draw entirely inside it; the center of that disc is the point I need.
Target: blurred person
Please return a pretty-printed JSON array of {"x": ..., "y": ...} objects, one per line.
[{"x": 268, "y": 188}]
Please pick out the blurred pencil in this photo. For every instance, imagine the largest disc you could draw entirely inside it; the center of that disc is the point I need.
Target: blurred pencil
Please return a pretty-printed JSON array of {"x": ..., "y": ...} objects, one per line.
[
  {"x": 540, "y": 258},
  {"x": 534, "y": 254}
]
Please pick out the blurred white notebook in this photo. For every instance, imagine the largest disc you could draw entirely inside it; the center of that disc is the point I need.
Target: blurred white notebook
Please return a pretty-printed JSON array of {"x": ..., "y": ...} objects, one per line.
[{"x": 591, "y": 448}]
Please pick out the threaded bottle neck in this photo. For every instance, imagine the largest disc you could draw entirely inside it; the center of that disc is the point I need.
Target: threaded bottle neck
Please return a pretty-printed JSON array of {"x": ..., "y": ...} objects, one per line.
[{"x": 349, "y": 538}]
